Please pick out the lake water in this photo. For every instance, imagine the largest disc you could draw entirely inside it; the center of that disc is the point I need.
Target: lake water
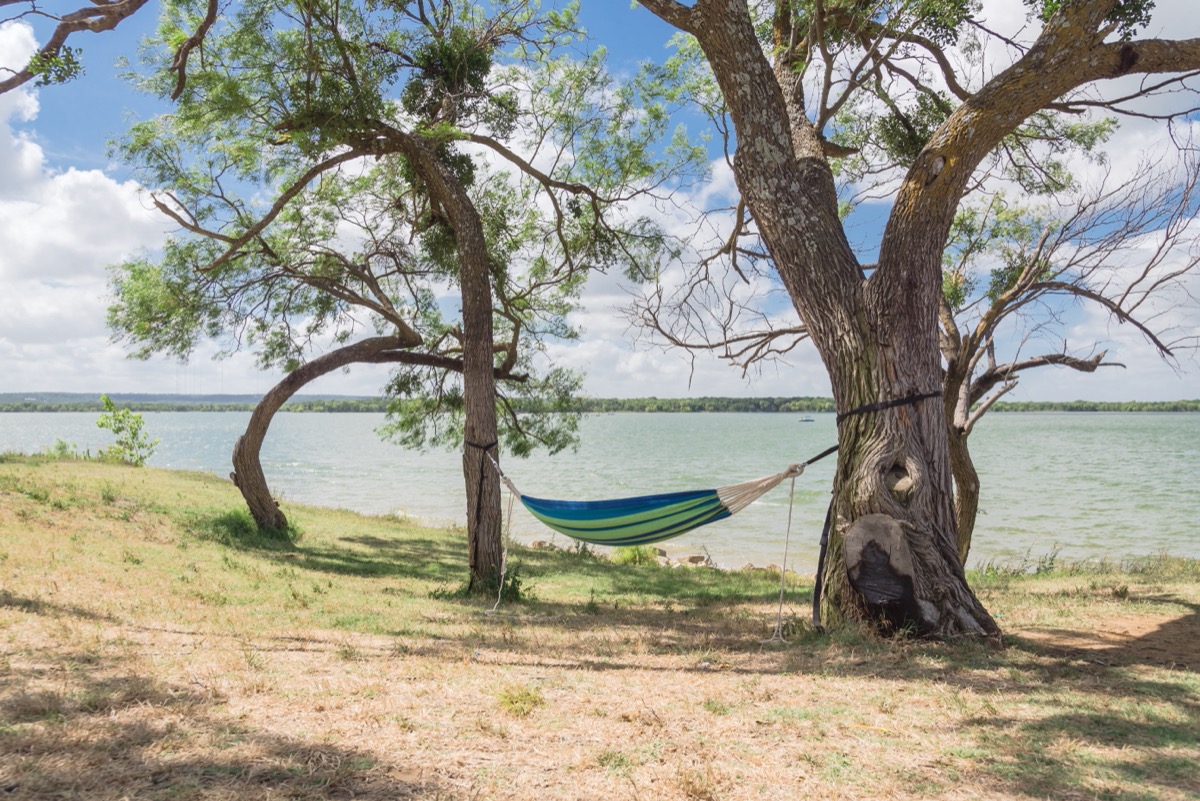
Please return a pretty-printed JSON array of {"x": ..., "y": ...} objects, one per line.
[{"x": 1086, "y": 485}]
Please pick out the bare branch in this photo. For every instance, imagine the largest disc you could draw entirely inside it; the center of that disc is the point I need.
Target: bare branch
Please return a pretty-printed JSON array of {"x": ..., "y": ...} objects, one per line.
[
  {"x": 102, "y": 16},
  {"x": 671, "y": 12},
  {"x": 978, "y": 412},
  {"x": 179, "y": 64}
]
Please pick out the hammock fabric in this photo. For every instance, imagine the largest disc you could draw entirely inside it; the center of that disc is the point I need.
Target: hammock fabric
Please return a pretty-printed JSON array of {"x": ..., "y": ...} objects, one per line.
[{"x": 647, "y": 518}]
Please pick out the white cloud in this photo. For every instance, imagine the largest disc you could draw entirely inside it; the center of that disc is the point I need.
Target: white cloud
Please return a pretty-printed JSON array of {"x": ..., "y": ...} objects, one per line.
[{"x": 58, "y": 233}]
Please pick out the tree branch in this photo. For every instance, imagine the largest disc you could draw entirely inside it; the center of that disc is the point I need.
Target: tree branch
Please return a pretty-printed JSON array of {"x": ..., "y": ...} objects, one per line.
[
  {"x": 103, "y": 16},
  {"x": 179, "y": 64},
  {"x": 673, "y": 13},
  {"x": 1111, "y": 305}
]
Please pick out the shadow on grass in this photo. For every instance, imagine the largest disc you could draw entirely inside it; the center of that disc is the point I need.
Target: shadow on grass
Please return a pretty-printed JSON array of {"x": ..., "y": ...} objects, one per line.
[
  {"x": 113, "y": 734},
  {"x": 442, "y": 561},
  {"x": 1097, "y": 753},
  {"x": 1068, "y": 726},
  {"x": 1174, "y": 644},
  {"x": 235, "y": 528},
  {"x": 1100, "y": 723},
  {"x": 39, "y": 606},
  {"x": 672, "y": 610},
  {"x": 364, "y": 556}
]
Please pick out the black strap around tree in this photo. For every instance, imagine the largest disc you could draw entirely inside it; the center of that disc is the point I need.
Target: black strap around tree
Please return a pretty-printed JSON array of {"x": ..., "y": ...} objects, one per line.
[
  {"x": 865, "y": 409},
  {"x": 891, "y": 404},
  {"x": 482, "y": 466},
  {"x": 816, "y": 613}
]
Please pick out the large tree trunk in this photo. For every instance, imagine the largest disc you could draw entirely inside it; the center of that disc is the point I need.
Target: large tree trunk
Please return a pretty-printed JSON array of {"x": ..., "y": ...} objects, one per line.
[
  {"x": 247, "y": 473},
  {"x": 892, "y": 555}
]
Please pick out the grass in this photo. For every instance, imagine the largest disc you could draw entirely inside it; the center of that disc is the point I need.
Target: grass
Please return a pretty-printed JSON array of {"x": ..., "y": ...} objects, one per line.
[{"x": 153, "y": 645}]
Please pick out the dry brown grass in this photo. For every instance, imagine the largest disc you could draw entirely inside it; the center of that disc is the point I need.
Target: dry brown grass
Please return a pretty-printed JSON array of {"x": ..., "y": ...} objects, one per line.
[{"x": 149, "y": 650}]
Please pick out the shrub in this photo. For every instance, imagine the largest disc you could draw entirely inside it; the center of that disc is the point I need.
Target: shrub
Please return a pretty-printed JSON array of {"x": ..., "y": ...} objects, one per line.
[
  {"x": 635, "y": 555},
  {"x": 133, "y": 446}
]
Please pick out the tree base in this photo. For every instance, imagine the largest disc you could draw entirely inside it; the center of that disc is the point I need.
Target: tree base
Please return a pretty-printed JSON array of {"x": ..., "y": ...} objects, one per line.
[{"x": 897, "y": 597}]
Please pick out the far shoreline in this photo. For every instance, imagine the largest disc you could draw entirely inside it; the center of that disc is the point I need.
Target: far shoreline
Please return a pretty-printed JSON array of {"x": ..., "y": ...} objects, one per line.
[{"x": 52, "y": 402}]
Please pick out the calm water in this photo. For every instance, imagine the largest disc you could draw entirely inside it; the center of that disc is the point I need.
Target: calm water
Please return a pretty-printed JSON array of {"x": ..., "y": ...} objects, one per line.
[{"x": 1087, "y": 484}]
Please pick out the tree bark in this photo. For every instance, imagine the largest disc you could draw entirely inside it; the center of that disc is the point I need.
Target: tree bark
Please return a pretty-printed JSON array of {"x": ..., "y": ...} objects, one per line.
[
  {"x": 966, "y": 490},
  {"x": 479, "y": 397},
  {"x": 247, "y": 473},
  {"x": 484, "y": 542},
  {"x": 894, "y": 463}
]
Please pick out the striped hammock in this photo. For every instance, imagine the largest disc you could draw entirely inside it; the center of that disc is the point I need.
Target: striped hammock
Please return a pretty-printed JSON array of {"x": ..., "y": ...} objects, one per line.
[{"x": 647, "y": 518}]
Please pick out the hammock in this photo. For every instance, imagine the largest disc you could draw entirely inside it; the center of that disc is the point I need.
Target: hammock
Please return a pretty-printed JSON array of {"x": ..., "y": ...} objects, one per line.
[{"x": 646, "y": 518}]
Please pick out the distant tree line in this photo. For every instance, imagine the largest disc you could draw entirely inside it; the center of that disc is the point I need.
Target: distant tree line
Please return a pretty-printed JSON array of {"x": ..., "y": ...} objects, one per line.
[
  {"x": 802, "y": 405},
  {"x": 1098, "y": 406}
]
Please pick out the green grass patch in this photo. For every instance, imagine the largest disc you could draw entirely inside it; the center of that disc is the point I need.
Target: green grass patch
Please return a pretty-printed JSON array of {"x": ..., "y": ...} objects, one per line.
[
  {"x": 236, "y": 528},
  {"x": 520, "y": 700}
]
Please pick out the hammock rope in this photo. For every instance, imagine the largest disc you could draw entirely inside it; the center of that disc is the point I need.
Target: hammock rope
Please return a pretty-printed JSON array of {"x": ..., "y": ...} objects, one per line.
[{"x": 777, "y": 635}]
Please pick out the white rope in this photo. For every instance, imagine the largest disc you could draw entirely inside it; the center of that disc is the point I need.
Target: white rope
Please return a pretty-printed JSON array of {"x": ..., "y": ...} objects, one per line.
[
  {"x": 507, "y": 482},
  {"x": 777, "y": 635},
  {"x": 737, "y": 497},
  {"x": 512, "y": 496}
]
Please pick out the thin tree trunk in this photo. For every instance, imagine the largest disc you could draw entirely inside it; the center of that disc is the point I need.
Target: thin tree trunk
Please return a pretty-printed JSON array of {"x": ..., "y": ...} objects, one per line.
[
  {"x": 966, "y": 490},
  {"x": 479, "y": 397},
  {"x": 247, "y": 473},
  {"x": 484, "y": 544}
]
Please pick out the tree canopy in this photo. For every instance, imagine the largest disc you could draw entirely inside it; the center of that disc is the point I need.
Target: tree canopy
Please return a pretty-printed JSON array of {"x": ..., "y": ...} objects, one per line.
[{"x": 441, "y": 174}]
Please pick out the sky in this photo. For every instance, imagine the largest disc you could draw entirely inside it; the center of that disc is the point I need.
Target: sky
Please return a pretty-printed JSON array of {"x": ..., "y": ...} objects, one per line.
[{"x": 67, "y": 212}]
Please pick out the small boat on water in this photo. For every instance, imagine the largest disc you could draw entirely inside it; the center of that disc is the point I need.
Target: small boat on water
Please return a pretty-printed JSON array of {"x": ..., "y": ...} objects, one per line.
[{"x": 807, "y": 419}]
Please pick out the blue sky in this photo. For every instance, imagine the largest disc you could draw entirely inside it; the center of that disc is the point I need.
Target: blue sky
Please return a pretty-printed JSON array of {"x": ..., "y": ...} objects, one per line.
[{"x": 66, "y": 212}]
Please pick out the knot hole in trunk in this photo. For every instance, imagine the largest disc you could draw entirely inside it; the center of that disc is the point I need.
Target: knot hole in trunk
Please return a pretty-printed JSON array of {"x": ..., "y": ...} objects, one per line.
[{"x": 899, "y": 483}]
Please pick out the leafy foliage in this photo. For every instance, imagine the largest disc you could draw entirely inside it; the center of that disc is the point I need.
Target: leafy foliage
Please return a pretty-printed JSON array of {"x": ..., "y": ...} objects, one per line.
[
  {"x": 60, "y": 67},
  {"x": 133, "y": 445},
  {"x": 1127, "y": 15},
  {"x": 904, "y": 134},
  {"x": 1000, "y": 235},
  {"x": 292, "y": 162}
]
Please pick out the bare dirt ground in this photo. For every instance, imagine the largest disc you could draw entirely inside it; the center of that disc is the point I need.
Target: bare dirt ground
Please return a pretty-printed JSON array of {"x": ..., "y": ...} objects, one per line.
[
  {"x": 1168, "y": 641},
  {"x": 112, "y": 711}
]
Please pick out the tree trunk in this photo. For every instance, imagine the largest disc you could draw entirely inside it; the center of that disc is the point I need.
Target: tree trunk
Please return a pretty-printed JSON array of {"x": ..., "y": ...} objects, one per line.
[
  {"x": 877, "y": 338},
  {"x": 484, "y": 542},
  {"x": 247, "y": 473},
  {"x": 894, "y": 460},
  {"x": 479, "y": 397},
  {"x": 893, "y": 474},
  {"x": 966, "y": 490}
]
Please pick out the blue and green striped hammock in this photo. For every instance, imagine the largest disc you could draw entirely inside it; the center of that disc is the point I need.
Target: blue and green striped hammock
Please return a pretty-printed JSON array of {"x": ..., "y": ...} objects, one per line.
[{"x": 646, "y": 518}]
